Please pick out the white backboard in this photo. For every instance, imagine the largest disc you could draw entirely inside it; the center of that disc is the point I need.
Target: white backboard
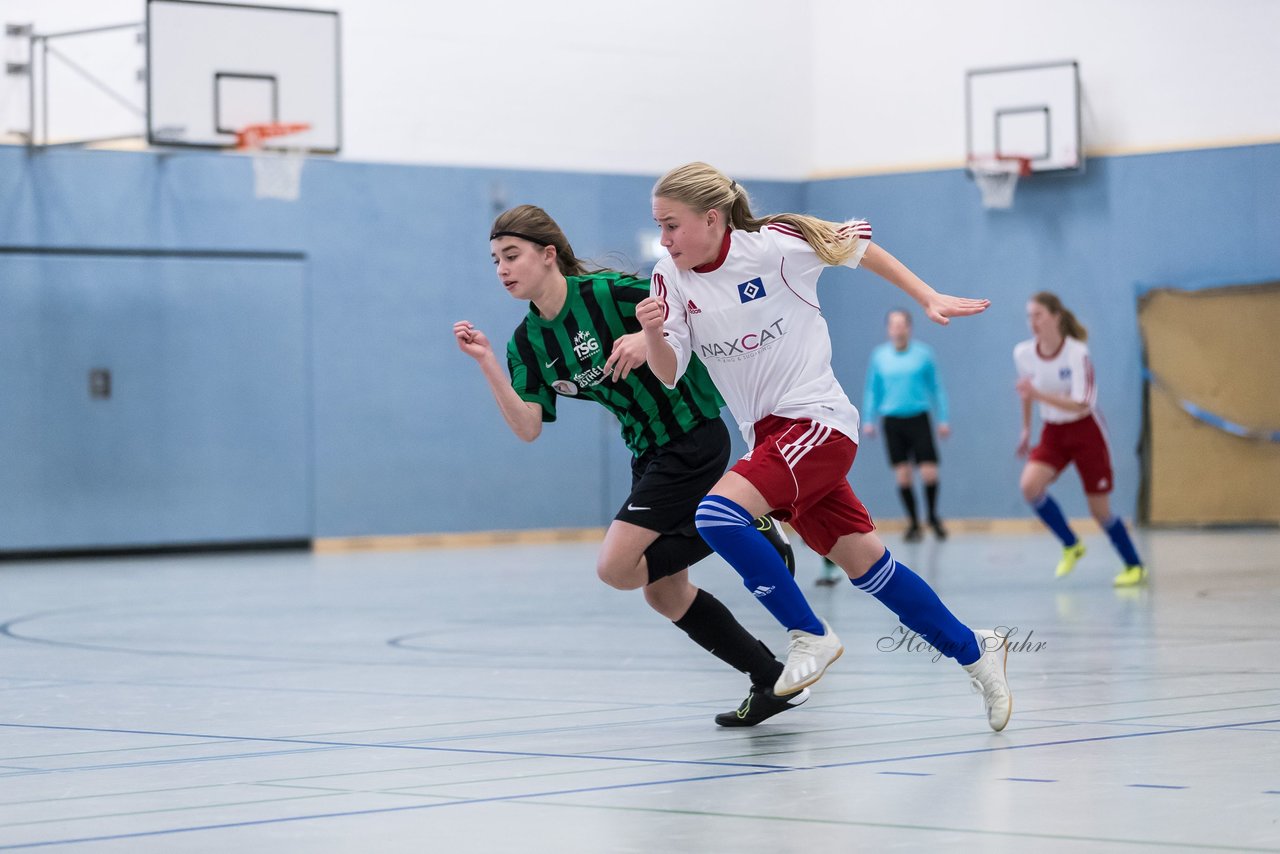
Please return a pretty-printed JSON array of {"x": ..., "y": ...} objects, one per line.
[
  {"x": 215, "y": 67},
  {"x": 1030, "y": 111}
]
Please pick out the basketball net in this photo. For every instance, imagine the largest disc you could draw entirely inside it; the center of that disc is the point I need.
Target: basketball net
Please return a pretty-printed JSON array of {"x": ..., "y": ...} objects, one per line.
[
  {"x": 997, "y": 178},
  {"x": 277, "y": 172}
]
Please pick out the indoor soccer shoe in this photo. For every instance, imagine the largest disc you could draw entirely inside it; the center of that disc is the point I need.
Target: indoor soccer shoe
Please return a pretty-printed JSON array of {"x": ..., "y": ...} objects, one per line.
[
  {"x": 831, "y": 575},
  {"x": 987, "y": 676},
  {"x": 760, "y": 705},
  {"x": 772, "y": 530},
  {"x": 1132, "y": 576},
  {"x": 1070, "y": 555},
  {"x": 808, "y": 657}
]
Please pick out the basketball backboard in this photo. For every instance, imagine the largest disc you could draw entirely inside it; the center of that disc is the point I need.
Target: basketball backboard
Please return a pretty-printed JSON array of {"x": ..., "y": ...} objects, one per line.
[
  {"x": 214, "y": 68},
  {"x": 1028, "y": 111}
]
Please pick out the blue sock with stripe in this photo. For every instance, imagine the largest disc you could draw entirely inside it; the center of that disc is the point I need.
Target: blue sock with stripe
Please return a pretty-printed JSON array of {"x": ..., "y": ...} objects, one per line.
[
  {"x": 731, "y": 531},
  {"x": 1051, "y": 514},
  {"x": 919, "y": 608},
  {"x": 1120, "y": 539}
]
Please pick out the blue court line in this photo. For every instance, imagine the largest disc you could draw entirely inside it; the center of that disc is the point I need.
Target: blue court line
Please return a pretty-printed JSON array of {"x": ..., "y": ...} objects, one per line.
[
  {"x": 1028, "y": 746},
  {"x": 1028, "y": 780},
  {"x": 381, "y": 810},
  {"x": 905, "y": 773},
  {"x": 1153, "y": 786},
  {"x": 367, "y": 745},
  {"x": 554, "y": 793}
]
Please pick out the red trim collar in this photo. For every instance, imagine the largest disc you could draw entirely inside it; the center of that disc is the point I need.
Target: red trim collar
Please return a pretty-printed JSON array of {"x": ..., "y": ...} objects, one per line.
[
  {"x": 724, "y": 253},
  {"x": 1054, "y": 354}
]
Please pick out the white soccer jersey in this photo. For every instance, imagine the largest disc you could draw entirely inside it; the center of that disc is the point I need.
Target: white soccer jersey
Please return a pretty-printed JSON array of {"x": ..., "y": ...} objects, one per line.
[
  {"x": 1067, "y": 373},
  {"x": 752, "y": 317}
]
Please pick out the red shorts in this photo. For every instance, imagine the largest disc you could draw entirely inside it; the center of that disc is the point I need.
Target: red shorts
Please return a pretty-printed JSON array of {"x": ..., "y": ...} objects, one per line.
[
  {"x": 800, "y": 467},
  {"x": 1080, "y": 442}
]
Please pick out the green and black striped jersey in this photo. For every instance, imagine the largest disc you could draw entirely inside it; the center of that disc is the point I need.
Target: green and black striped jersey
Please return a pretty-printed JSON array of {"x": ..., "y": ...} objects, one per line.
[{"x": 565, "y": 355}]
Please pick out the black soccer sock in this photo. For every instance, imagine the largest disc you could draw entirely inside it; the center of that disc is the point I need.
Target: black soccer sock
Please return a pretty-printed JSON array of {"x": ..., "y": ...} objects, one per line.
[
  {"x": 711, "y": 626},
  {"x": 931, "y": 498},
  {"x": 908, "y": 496},
  {"x": 671, "y": 553}
]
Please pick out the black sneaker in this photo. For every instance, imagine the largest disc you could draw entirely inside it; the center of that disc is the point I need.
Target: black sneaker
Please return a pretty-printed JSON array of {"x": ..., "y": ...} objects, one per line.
[
  {"x": 938, "y": 531},
  {"x": 913, "y": 534},
  {"x": 760, "y": 705},
  {"x": 772, "y": 531}
]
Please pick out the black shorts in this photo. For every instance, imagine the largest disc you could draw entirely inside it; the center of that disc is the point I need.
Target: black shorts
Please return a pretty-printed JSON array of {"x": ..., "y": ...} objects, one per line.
[
  {"x": 909, "y": 439},
  {"x": 668, "y": 482}
]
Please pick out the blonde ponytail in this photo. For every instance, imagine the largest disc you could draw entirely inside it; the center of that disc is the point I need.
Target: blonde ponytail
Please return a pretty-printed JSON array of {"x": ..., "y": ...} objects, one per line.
[{"x": 703, "y": 187}]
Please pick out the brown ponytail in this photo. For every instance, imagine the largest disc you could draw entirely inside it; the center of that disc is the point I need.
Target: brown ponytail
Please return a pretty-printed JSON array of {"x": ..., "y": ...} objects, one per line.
[{"x": 1067, "y": 323}]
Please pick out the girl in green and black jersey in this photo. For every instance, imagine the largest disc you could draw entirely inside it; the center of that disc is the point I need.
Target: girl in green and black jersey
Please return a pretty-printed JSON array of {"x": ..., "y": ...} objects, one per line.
[{"x": 581, "y": 340}]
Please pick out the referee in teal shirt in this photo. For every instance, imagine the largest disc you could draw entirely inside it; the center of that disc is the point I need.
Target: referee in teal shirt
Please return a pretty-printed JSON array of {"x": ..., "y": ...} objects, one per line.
[{"x": 902, "y": 388}]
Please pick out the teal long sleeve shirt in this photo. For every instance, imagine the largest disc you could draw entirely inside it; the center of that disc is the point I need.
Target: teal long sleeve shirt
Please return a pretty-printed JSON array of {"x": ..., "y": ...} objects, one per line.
[{"x": 903, "y": 383}]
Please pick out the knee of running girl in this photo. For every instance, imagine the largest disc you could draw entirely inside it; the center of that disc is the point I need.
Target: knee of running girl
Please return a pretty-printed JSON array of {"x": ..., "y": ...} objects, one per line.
[
  {"x": 856, "y": 553},
  {"x": 670, "y": 596},
  {"x": 621, "y": 573}
]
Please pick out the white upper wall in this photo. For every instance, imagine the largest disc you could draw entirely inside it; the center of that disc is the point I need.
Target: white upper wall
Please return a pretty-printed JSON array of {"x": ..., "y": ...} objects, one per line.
[
  {"x": 638, "y": 88},
  {"x": 564, "y": 84},
  {"x": 1155, "y": 74}
]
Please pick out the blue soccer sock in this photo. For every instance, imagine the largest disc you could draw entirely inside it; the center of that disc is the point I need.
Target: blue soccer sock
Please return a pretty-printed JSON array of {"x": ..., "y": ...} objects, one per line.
[
  {"x": 1051, "y": 514},
  {"x": 1120, "y": 539},
  {"x": 731, "y": 531},
  {"x": 919, "y": 608}
]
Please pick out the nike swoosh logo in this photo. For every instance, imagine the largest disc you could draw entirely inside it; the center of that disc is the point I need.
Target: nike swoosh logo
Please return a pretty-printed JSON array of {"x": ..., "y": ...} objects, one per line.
[
  {"x": 633, "y": 507},
  {"x": 552, "y": 362}
]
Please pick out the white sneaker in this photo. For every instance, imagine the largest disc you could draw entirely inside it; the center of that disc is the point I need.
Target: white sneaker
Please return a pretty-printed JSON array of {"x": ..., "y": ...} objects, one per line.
[
  {"x": 808, "y": 657},
  {"x": 987, "y": 675}
]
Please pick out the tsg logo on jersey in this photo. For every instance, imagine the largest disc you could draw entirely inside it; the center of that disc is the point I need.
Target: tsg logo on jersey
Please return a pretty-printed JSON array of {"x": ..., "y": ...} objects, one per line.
[
  {"x": 752, "y": 290},
  {"x": 584, "y": 345}
]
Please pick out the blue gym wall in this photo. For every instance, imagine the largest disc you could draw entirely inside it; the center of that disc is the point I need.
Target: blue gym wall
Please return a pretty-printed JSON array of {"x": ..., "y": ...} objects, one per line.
[
  {"x": 379, "y": 425},
  {"x": 1178, "y": 219}
]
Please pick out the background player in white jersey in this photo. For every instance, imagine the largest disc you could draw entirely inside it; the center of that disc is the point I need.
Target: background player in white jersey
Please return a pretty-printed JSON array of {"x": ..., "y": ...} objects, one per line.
[
  {"x": 740, "y": 293},
  {"x": 1054, "y": 370}
]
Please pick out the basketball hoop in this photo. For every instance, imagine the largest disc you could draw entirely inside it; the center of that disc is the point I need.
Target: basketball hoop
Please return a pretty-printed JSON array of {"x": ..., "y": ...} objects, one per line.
[
  {"x": 997, "y": 178},
  {"x": 277, "y": 172}
]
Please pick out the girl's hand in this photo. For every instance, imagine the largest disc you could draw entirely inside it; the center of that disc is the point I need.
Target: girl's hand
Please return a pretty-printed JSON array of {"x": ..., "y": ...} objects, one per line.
[
  {"x": 940, "y": 308},
  {"x": 1024, "y": 444},
  {"x": 651, "y": 312},
  {"x": 471, "y": 341},
  {"x": 629, "y": 353}
]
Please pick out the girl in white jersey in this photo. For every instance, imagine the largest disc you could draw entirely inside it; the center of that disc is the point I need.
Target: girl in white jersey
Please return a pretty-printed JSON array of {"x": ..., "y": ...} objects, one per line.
[
  {"x": 740, "y": 293},
  {"x": 1055, "y": 371}
]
